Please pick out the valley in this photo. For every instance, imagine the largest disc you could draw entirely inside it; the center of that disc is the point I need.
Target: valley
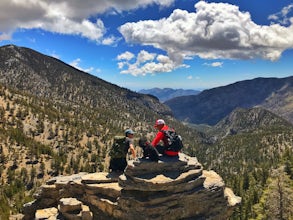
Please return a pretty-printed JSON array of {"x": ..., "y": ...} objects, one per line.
[{"x": 56, "y": 120}]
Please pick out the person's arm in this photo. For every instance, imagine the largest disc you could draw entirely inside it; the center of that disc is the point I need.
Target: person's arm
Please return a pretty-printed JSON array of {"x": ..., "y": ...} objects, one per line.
[
  {"x": 157, "y": 139},
  {"x": 131, "y": 147}
]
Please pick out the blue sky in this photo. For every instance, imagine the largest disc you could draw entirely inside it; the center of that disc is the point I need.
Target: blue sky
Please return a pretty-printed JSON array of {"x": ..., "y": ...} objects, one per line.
[{"x": 141, "y": 44}]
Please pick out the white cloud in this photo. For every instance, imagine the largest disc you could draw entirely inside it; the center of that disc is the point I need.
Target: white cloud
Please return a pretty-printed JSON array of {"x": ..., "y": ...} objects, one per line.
[
  {"x": 5, "y": 36},
  {"x": 110, "y": 41},
  {"x": 214, "y": 64},
  {"x": 125, "y": 56},
  {"x": 145, "y": 56},
  {"x": 283, "y": 17},
  {"x": 145, "y": 63},
  {"x": 214, "y": 31},
  {"x": 76, "y": 64},
  {"x": 55, "y": 55},
  {"x": 64, "y": 16},
  {"x": 189, "y": 77},
  {"x": 217, "y": 64}
]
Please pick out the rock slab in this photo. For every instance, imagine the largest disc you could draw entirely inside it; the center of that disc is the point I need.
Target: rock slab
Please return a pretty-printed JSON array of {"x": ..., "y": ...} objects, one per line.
[{"x": 172, "y": 188}]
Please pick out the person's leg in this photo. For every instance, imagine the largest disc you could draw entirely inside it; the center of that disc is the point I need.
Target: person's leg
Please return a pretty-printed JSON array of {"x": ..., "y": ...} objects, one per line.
[
  {"x": 123, "y": 164},
  {"x": 160, "y": 149},
  {"x": 152, "y": 152},
  {"x": 114, "y": 164}
]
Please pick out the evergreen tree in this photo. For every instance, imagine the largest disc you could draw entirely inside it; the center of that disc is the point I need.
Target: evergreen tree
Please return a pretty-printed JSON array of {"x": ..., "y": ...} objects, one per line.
[{"x": 277, "y": 200}]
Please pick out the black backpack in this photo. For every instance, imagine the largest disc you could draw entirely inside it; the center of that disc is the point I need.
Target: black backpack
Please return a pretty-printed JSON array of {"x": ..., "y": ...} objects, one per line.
[
  {"x": 118, "y": 149},
  {"x": 174, "y": 140}
]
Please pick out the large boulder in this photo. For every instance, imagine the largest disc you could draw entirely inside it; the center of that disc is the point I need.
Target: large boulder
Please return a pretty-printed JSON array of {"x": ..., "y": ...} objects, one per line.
[{"x": 172, "y": 188}]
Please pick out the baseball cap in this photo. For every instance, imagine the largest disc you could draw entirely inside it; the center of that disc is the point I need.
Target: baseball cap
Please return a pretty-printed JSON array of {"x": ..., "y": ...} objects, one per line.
[
  {"x": 159, "y": 122},
  {"x": 129, "y": 131}
]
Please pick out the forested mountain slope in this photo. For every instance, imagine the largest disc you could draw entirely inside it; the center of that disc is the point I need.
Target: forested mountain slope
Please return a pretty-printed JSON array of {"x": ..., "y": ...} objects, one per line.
[
  {"x": 56, "y": 120},
  {"x": 246, "y": 148},
  {"x": 47, "y": 77}
]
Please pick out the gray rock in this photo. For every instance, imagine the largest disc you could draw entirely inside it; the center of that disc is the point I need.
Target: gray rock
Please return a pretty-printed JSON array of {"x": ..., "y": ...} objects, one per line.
[
  {"x": 101, "y": 177},
  {"x": 69, "y": 205},
  {"x": 172, "y": 188},
  {"x": 49, "y": 213}
]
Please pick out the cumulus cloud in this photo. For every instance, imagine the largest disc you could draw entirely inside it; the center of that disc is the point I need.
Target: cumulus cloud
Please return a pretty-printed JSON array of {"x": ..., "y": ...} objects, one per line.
[
  {"x": 144, "y": 63},
  {"x": 213, "y": 31},
  {"x": 76, "y": 64},
  {"x": 125, "y": 56},
  {"x": 64, "y": 16},
  {"x": 214, "y": 64},
  {"x": 283, "y": 17}
]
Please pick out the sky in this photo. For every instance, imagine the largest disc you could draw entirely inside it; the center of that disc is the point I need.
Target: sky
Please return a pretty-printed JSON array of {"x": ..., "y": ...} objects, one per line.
[{"x": 142, "y": 44}]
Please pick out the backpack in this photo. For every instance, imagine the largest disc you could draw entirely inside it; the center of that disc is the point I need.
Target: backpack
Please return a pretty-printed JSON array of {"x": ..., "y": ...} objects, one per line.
[
  {"x": 118, "y": 149},
  {"x": 174, "y": 140}
]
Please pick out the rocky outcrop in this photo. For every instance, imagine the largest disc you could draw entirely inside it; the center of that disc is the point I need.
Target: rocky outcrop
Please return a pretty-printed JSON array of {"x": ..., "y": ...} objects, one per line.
[{"x": 173, "y": 188}]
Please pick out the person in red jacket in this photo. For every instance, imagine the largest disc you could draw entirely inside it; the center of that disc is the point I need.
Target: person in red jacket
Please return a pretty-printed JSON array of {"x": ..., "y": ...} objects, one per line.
[{"x": 161, "y": 126}]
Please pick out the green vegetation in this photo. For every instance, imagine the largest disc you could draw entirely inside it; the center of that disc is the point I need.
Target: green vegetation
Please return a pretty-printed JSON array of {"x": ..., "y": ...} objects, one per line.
[
  {"x": 247, "y": 163},
  {"x": 59, "y": 120},
  {"x": 40, "y": 139},
  {"x": 276, "y": 201}
]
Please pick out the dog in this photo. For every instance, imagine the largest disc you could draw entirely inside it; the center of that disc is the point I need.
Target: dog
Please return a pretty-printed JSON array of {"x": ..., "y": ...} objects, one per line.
[{"x": 149, "y": 151}]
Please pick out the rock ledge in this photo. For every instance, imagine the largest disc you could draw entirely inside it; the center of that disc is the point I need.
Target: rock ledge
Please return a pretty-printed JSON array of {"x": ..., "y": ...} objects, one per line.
[{"x": 173, "y": 188}]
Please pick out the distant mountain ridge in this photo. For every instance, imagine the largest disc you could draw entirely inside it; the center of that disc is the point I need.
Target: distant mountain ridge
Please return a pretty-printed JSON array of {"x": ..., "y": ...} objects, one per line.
[
  {"x": 210, "y": 106},
  {"x": 168, "y": 93}
]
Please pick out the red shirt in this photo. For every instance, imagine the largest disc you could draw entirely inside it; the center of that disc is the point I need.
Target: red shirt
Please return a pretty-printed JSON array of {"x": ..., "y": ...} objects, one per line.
[{"x": 161, "y": 137}]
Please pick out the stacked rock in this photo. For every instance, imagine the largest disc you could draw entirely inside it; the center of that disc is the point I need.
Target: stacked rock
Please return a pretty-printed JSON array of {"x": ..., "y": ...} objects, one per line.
[
  {"x": 68, "y": 208},
  {"x": 173, "y": 188}
]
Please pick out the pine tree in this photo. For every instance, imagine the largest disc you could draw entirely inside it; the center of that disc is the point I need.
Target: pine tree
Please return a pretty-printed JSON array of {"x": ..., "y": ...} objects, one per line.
[{"x": 277, "y": 200}]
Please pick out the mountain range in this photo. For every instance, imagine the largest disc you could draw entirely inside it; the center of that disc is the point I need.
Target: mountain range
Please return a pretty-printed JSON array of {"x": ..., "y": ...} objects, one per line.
[
  {"x": 210, "y": 106},
  {"x": 168, "y": 93},
  {"x": 57, "y": 120}
]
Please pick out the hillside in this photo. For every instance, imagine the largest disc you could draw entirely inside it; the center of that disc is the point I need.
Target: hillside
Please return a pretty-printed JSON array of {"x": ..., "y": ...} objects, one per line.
[
  {"x": 246, "y": 148},
  {"x": 244, "y": 121},
  {"x": 56, "y": 120},
  {"x": 168, "y": 93},
  {"x": 210, "y": 106},
  {"x": 47, "y": 77}
]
